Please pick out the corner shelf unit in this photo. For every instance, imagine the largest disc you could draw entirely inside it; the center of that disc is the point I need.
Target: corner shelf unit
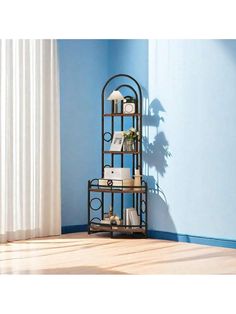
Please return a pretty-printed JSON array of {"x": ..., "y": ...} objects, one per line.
[{"x": 103, "y": 195}]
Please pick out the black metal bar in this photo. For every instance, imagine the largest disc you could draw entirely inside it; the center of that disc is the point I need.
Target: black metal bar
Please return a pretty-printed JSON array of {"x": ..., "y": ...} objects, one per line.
[
  {"x": 102, "y": 137},
  {"x": 88, "y": 207},
  {"x": 122, "y": 165},
  {"x": 141, "y": 131},
  {"x": 141, "y": 212},
  {"x": 136, "y": 203},
  {"x": 122, "y": 225},
  {"x": 138, "y": 126},
  {"x": 146, "y": 208},
  {"x": 102, "y": 196},
  {"x": 103, "y": 156},
  {"x": 137, "y": 146},
  {"x": 112, "y": 159},
  {"x": 134, "y": 158},
  {"x": 133, "y": 161}
]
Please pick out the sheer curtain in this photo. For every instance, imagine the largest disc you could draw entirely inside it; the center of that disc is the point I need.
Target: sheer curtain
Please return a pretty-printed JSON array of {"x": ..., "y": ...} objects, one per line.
[{"x": 29, "y": 140}]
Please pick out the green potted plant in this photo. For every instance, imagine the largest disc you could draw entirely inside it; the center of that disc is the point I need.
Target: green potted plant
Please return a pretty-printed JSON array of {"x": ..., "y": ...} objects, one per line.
[{"x": 130, "y": 138}]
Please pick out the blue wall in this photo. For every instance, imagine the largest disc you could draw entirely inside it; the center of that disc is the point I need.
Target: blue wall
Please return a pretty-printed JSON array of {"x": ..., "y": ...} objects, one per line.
[
  {"x": 130, "y": 57},
  {"x": 83, "y": 71},
  {"x": 193, "y": 82},
  {"x": 189, "y": 111}
]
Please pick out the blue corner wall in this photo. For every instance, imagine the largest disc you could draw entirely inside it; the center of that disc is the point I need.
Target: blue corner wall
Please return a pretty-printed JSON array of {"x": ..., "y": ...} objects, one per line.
[
  {"x": 83, "y": 71},
  {"x": 192, "y": 94},
  {"x": 188, "y": 125},
  {"x": 130, "y": 57}
]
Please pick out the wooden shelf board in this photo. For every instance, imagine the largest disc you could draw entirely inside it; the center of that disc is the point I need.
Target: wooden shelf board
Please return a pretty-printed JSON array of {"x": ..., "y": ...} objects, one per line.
[
  {"x": 116, "y": 191},
  {"x": 114, "y": 152},
  {"x": 96, "y": 227},
  {"x": 122, "y": 115}
]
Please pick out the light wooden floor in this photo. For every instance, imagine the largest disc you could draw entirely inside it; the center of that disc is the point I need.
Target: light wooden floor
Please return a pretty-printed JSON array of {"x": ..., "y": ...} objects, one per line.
[{"x": 79, "y": 253}]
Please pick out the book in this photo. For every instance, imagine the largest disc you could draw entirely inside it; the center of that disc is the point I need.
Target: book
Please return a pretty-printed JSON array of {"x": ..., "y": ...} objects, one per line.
[
  {"x": 116, "y": 184},
  {"x": 127, "y": 221},
  {"x": 105, "y": 221},
  {"x": 134, "y": 218},
  {"x": 131, "y": 217}
]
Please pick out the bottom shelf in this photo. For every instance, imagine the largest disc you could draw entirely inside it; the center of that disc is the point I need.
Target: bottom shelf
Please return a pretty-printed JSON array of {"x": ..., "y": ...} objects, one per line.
[{"x": 110, "y": 228}]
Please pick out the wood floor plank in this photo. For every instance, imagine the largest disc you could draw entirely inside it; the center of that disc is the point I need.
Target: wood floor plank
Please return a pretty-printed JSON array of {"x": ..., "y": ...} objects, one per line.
[{"x": 79, "y": 253}]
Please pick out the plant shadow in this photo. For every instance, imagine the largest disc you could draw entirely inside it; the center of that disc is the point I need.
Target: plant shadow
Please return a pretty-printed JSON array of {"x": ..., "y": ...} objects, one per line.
[{"x": 156, "y": 154}]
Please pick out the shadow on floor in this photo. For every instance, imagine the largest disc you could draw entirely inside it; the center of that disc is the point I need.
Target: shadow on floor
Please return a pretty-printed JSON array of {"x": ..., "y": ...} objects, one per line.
[
  {"x": 196, "y": 258},
  {"x": 80, "y": 270},
  {"x": 148, "y": 250}
]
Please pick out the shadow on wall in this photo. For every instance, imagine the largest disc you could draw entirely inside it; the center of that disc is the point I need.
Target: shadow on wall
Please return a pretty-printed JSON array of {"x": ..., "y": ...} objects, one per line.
[
  {"x": 155, "y": 158},
  {"x": 229, "y": 45}
]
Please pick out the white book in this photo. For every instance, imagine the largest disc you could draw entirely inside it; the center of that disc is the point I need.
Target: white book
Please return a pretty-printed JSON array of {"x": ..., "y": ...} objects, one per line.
[
  {"x": 131, "y": 217},
  {"x": 127, "y": 220},
  {"x": 105, "y": 221},
  {"x": 134, "y": 218}
]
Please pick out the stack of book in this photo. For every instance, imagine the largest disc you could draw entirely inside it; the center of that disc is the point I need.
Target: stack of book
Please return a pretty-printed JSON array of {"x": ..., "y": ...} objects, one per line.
[
  {"x": 117, "y": 178},
  {"x": 125, "y": 184}
]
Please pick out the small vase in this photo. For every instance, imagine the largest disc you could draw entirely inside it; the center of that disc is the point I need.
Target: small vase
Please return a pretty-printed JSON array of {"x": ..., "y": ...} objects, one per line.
[
  {"x": 137, "y": 179},
  {"x": 129, "y": 145}
]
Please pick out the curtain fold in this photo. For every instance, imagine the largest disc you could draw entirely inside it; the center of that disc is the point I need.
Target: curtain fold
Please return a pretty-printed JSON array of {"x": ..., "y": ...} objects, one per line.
[{"x": 29, "y": 140}]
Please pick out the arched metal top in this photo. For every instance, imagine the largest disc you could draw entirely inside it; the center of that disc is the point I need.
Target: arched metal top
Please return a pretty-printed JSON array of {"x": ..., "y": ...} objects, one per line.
[
  {"x": 123, "y": 75},
  {"x": 130, "y": 87},
  {"x": 136, "y": 119}
]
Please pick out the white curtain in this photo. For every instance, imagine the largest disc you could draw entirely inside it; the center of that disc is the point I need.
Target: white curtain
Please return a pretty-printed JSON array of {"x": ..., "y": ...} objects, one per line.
[{"x": 29, "y": 140}]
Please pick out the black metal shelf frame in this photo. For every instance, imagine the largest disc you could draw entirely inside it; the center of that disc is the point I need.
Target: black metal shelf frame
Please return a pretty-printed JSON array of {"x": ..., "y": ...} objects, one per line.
[{"x": 139, "y": 198}]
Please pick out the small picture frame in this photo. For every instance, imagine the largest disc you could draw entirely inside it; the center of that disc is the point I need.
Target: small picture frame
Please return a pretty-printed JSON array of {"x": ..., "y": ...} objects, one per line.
[
  {"x": 129, "y": 105},
  {"x": 128, "y": 108},
  {"x": 117, "y": 142}
]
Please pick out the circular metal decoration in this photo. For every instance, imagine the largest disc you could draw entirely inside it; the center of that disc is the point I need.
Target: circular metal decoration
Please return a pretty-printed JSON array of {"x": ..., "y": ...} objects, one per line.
[
  {"x": 107, "y": 166},
  {"x": 97, "y": 202},
  {"x": 109, "y": 182},
  {"x": 107, "y": 136},
  {"x": 94, "y": 182},
  {"x": 95, "y": 219},
  {"x": 143, "y": 206}
]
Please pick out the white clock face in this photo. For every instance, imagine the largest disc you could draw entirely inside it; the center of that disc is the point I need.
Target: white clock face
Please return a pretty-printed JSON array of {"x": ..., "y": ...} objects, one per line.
[{"x": 129, "y": 108}]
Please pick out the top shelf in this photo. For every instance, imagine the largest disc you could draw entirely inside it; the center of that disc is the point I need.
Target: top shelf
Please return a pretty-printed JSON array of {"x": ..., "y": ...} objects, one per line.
[{"x": 122, "y": 115}]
